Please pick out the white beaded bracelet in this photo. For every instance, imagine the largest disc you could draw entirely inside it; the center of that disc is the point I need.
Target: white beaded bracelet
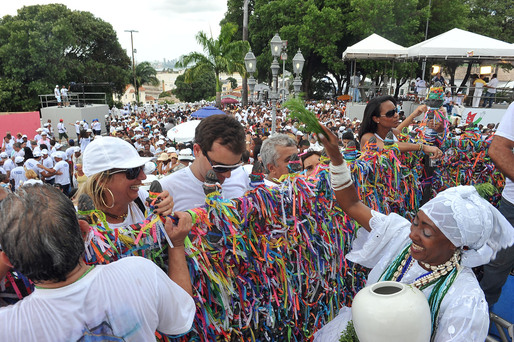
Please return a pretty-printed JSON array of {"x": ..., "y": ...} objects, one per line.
[{"x": 340, "y": 176}]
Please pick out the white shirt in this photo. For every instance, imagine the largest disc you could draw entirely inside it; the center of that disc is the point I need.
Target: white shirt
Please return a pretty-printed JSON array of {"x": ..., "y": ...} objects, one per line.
[
  {"x": 188, "y": 193},
  {"x": 9, "y": 164},
  {"x": 506, "y": 130},
  {"x": 97, "y": 305},
  {"x": 63, "y": 167},
  {"x": 18, "y": 175},
  {"x": 491, "y": 86},
  {"x": 61, "y": 128},
  {"x": 48, "y": 162}
]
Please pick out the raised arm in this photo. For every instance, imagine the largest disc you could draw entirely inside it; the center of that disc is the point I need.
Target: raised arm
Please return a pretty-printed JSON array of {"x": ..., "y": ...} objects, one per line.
[
  {"x": 177, "y": 264},
  {"x": 417, "y": 112},
  {"x": 342, "y": 184}
]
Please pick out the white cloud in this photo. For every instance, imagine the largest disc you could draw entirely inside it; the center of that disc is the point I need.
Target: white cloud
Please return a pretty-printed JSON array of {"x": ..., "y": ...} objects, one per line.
[{"x": 167, "y": 28}]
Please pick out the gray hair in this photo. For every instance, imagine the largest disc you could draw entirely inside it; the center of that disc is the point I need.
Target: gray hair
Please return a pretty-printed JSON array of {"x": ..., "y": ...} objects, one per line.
[
  {"x": 269, "y": 153},
  {"x": 40, "y": 233}
]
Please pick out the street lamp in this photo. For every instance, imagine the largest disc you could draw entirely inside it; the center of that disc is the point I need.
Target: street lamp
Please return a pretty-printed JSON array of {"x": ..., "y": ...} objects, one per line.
[
  {"x": 276, "y": 49},
  {"x": 133, "y": 62},
  {"x": 298, "y": 62},
  {"x": 250, "y": 62}
]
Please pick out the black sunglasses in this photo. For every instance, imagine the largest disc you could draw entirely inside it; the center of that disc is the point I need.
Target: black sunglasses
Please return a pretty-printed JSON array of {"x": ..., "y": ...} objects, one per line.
[
  {"x": 131, "y": 174},
  {"x": 390, "y": 113},
  {"x": 222, "y": 168}
]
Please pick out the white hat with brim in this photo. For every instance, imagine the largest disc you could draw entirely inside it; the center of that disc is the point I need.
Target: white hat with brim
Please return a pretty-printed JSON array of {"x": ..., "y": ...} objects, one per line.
[
  {"x": 110, "y": 153},
  {"x": 19, "y": 159}
]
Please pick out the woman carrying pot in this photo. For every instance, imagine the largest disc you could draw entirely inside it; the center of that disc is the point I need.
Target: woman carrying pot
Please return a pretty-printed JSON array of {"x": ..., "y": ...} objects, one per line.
[{"x": 451, "y": 233}]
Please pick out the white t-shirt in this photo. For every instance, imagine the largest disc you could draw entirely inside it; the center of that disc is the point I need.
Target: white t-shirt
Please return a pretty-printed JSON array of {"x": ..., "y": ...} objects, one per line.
[
  {"x": 32, "y": 164},
  {"x": 18, "y": 175},
  {"x": 187, "y": 190},
  {"x": 107, "y": 302},
  {"x": 506, "y": 130},
  {"x": 63, "y": 167},
  {"x": 61, "y": 128},
  {"x": 48, "y": 162}
]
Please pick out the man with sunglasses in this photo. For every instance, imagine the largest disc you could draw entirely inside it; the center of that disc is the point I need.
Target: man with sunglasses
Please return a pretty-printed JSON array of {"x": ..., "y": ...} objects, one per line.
[{"x": 219, "y": 145}]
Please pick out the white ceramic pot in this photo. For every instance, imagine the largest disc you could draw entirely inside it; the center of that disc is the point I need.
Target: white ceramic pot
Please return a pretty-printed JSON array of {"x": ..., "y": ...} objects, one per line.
[{"x": 391, "y": 311}]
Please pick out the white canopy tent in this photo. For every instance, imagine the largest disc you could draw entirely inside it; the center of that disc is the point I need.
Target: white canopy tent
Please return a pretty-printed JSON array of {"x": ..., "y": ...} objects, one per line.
[
  {"x": 464, "y": 45},
  {"x": 374, "y": 47}
]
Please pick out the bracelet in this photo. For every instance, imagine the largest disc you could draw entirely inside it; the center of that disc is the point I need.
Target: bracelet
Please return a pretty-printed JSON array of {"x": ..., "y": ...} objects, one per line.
[
  {"x": 340, "y": 176},
  {"x": 420, "y": 147}
]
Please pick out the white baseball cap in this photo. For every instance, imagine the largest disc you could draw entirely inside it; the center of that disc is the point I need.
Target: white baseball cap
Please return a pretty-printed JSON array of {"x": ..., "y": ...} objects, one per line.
[
  {"x": 89, "y": 130},
  {"x": 44, "y": 151},
  {"x": 4, "y": 155},
  {"x": 76, "y": 149},
  {"x": 186, "y": 154},
  {"x": 110, "y": 153},
  {"x": 19, "y": 159},
  {"x": 37, "y": 154}
]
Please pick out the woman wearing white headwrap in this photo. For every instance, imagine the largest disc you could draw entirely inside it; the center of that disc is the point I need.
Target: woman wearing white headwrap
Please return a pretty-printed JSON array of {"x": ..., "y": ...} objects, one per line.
[{"x": 450, "y": 234}]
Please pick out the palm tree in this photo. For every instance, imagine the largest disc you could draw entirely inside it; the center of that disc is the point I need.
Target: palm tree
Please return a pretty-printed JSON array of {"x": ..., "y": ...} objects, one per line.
[
  {"x": 145, "y": 73},
  {"x": 221, "y": 55}
]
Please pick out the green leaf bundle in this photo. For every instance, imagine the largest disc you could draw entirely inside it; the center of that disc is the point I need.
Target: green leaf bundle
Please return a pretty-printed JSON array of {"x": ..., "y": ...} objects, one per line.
[{"x": 297, "y": 111}]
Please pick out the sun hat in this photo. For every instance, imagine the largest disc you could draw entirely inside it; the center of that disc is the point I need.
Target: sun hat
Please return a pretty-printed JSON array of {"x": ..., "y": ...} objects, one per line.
[
  {"x": 163, "y": 156},
  {"x": 110, "y": 153},
  {"x": 173, "y": 155}
]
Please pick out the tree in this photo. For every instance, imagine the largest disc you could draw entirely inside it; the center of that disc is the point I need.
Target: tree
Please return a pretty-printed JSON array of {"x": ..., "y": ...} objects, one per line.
[
  {"x": 224, "y": 54},
  {"x": 201, "y": 88},
  {"x": 145, "y": 73},
  {"x": 45, "y": 45}
]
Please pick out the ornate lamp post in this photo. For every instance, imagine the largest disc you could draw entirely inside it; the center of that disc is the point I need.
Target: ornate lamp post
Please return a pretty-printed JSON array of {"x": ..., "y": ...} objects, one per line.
[
  {"x": 250, "y": 62},
  {"x": 276, "y": 49},
  {"x": 298, "y": 62}
]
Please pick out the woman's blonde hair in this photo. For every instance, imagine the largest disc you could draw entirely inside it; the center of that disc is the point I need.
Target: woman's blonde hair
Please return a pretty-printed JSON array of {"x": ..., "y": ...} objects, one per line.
[
  {"x": 31, "y": 174},
  {"x": 95, "y": 188}
]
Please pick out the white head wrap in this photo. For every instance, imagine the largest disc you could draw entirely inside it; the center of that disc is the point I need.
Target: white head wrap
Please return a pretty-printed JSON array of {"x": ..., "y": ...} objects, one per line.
[{"x": 467, "y": 219}]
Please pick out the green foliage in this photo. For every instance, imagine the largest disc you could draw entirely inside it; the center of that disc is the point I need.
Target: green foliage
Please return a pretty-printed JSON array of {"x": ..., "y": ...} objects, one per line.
[
  {"x": 349, "y": 335},
  {"x": 224, "y": 54},
  {"x": 492, "y": 18},
  {"x": 165, "y": 94},
  {"x": 145, "y": 73},
  {"x": 45, "y": 45},
  {"x": 233, "y": 82},
  {"x": 201, "y": 88},
  {"x": 298, "y": 111}
]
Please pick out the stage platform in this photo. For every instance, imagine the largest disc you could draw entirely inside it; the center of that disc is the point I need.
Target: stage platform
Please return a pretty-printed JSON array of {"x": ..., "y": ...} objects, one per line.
[{"x": 72, "y": 114}]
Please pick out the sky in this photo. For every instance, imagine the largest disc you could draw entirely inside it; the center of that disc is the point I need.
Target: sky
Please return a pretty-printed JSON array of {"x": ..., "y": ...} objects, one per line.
[{"x": 167, "y": 28}]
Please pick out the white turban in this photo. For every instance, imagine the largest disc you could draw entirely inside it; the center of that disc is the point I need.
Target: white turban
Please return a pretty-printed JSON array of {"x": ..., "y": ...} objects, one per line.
[{"x": 467, "y": 219}]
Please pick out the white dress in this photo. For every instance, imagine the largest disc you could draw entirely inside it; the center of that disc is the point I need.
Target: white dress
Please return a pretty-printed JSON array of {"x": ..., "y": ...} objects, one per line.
[{"x": 463, "y": 315}]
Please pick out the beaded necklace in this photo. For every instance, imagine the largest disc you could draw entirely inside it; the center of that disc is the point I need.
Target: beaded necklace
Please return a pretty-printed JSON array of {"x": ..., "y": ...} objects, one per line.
[{"x": 442, "y": 276}]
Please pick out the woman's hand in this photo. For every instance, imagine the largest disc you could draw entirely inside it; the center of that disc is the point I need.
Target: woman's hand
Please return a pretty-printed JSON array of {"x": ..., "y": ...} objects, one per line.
[
  {"x": 436, "y": 126},
  {"x": 165, "y": 206},
  {"x": 432, "y": 151},
  {"x": 331, "y": 146},
  {"x": 420, "y": 110},
  {"x": 178, "y": 232}
]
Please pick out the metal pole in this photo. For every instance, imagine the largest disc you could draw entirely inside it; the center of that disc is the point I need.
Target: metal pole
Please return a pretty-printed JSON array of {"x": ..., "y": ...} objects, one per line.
[
  {"x": 133, "y": 62},
  {"x": 274, "y": 95},
  {"x": 424, "y": 64}
]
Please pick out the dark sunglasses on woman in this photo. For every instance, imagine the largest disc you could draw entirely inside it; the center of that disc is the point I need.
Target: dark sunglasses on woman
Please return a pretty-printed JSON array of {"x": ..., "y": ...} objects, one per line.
[{"x": 131, "y": 174}]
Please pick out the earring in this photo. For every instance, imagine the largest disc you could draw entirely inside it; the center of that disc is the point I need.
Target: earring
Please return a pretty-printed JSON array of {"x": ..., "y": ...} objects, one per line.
[{"x": 105, "y": 204}]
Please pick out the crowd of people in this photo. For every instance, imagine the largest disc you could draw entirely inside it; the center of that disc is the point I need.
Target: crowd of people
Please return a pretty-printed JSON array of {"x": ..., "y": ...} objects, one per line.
[{"x": 109, "y": 163}]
